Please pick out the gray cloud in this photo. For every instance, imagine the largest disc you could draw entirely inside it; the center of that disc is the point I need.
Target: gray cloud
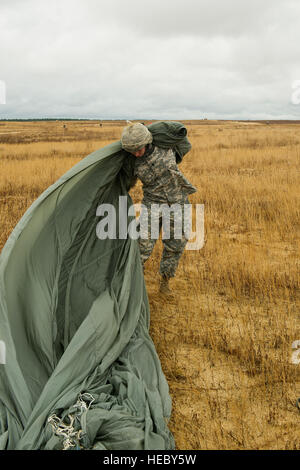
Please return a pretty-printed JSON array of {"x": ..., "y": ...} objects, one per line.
[
  {"x": 231, "y": 18},
  {"x": 135, "y": 59}
]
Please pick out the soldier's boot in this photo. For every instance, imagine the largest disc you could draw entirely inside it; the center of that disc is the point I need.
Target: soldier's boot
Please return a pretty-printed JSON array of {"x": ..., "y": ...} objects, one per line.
[{"x": 164, "y": 287}]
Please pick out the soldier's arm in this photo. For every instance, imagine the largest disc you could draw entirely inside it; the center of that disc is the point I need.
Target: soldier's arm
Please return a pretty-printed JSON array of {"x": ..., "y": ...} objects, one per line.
[{"x": 127, "y": 172}]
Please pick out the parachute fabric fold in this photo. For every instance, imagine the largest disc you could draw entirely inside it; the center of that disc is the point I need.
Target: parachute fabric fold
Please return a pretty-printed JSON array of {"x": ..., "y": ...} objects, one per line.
[{"x": 81, "y": 370}]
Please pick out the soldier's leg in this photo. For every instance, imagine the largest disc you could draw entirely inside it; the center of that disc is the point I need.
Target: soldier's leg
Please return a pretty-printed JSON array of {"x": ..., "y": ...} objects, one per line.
[
  {"x": 148, "y": 217},
  {"x": 173, "y": 247}
]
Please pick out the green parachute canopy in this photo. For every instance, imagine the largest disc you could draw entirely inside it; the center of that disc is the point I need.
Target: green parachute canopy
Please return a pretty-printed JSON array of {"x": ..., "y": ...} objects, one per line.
[{"x": 78, "y": 368}]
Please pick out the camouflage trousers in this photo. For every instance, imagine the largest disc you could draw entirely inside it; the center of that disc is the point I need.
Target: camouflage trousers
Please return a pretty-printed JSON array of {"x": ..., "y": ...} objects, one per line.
[{"x": 152, "y": 219}]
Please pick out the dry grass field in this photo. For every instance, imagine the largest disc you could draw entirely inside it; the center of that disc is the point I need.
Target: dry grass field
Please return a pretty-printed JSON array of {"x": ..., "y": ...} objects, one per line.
[{"x": 225, "y": 339}]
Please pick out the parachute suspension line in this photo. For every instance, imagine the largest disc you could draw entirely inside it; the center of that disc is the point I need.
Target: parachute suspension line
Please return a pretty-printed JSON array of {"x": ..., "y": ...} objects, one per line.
[{"x": 71, "y": 436}]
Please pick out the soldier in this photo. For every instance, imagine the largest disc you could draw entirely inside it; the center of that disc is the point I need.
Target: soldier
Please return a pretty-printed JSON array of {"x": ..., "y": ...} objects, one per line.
[{"x": 163, "y": 183}]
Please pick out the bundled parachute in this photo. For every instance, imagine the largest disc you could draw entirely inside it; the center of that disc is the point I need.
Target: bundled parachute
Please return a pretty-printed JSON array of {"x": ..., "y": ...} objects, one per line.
[{"x": 80, "y": 369}]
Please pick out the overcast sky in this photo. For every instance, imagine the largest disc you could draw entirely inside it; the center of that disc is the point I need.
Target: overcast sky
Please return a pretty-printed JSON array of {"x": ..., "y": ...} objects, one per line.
[{"x": 158, "y": 59}]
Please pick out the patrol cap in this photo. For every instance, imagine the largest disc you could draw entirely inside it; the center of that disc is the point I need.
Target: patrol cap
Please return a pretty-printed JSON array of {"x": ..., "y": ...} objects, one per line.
[{"x": 135, "y": 137}]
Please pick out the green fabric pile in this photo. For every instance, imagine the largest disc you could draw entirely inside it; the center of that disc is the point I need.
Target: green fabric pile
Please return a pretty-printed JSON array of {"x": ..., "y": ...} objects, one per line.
[
  {"x": 81, "y": 371},
  {"x": 171, "y": 134}
]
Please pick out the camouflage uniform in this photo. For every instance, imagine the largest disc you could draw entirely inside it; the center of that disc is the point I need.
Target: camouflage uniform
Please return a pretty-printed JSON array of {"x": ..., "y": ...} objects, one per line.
[{"x": 163, "y": 183}]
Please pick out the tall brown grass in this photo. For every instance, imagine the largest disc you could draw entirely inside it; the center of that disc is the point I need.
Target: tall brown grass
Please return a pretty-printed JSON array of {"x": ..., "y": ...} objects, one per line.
[{"x": 225, "y": 339}]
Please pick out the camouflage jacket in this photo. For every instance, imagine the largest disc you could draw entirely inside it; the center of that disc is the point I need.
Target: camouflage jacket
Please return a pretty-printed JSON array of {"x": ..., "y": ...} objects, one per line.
[{"x": 162, "y": 180}]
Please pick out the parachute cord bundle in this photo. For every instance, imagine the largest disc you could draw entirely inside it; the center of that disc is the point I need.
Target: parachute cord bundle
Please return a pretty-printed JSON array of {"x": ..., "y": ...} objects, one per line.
[{"x": 71, "y": 437}]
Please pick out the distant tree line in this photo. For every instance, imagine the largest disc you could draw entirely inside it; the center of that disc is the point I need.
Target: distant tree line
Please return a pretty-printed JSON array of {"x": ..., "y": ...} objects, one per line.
[{"x": 56, "y": 119}]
